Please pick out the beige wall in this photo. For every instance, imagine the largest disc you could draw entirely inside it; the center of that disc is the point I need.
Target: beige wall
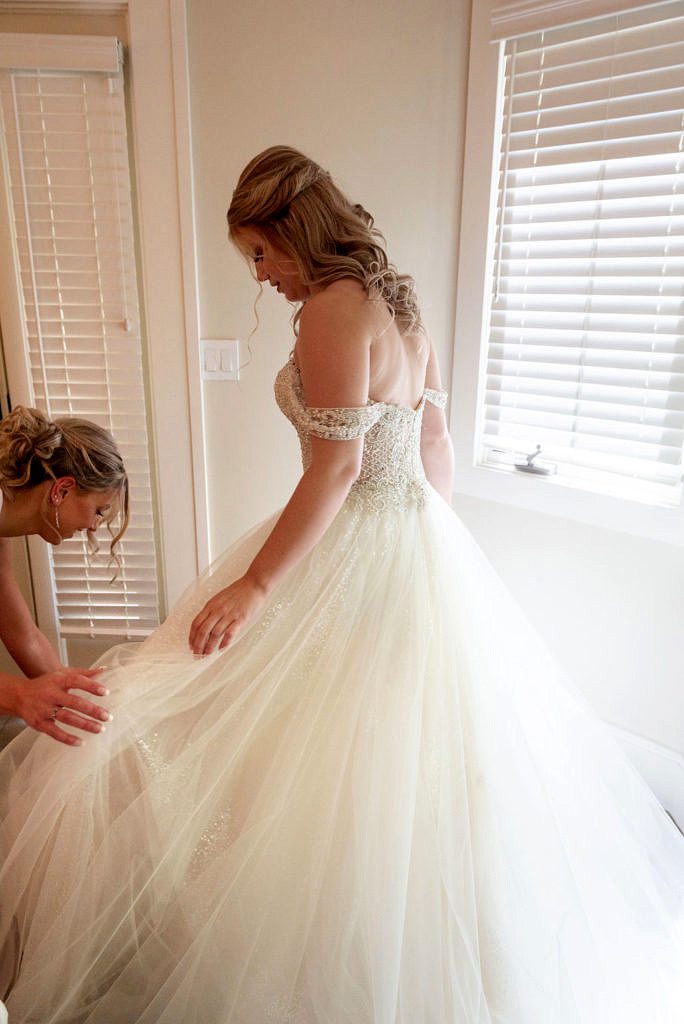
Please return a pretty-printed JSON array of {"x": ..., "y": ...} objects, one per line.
[{"x": 375, "y": 91}]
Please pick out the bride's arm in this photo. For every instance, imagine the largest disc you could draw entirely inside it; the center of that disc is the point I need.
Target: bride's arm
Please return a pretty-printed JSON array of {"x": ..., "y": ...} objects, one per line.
[
  {"x": 436, "y": 449},
  {"x": 333, "y": 356}
]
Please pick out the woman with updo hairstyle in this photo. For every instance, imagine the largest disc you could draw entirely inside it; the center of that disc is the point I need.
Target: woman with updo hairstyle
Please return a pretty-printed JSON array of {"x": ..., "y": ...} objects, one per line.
[
  {"x": 57, "y": 477},
  {"x": 366, "y": 794}
]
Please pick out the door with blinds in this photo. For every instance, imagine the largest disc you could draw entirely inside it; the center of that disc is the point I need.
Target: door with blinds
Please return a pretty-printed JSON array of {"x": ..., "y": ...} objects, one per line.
[{"x": 70, "y": 310}]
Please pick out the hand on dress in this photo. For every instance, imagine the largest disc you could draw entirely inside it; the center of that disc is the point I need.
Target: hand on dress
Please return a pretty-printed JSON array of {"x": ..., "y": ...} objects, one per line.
[
  {"x": 47, "y": 701},
  {"x": 225, "y": 615}
]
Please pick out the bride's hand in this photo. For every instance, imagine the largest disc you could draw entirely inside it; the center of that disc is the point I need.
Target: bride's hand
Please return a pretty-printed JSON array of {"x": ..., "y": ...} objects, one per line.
[{"x": 225, "y": 615}]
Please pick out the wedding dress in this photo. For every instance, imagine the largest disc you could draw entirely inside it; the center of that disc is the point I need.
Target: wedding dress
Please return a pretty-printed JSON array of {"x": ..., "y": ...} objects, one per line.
[{"x": 380, "y": 805}]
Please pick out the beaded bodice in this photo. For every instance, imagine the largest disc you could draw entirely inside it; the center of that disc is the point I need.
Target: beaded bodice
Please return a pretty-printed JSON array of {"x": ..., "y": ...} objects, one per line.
[{"x": 392, "y": 473}]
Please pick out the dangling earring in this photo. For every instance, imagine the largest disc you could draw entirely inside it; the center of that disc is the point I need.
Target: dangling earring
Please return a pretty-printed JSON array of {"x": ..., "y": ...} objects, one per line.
[{"x": 55, "y": 502}]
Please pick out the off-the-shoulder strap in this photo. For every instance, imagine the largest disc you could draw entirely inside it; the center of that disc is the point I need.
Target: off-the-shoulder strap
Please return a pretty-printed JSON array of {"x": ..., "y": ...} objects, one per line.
[
  {"x": 438, "y": 398},
  {"x": 341, "y": 424}
]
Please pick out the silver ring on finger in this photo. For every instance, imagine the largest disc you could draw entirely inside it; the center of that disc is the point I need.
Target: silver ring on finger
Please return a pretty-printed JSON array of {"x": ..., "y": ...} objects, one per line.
[{"x": 55, "y": 711}]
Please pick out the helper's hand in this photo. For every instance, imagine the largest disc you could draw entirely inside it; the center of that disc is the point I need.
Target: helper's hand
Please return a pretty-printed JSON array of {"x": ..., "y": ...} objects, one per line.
[
  {"x": 48, "y": 701},
  {"x": 225, "y": 615}
]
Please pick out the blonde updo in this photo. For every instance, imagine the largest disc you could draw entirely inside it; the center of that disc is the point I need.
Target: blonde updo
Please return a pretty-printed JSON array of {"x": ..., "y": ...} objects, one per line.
[
  {"x": 295, "y": 203},
  {"x": 34, "y": 449}
]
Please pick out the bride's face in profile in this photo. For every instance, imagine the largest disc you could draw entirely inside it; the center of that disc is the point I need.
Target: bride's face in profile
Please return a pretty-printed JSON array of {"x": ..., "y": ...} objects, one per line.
[{"x": 273, "y": 265}]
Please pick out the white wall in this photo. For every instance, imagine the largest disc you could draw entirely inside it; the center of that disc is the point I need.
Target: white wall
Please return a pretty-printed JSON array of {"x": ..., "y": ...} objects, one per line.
[
  {"x": 610, "y": 606},
  {"x": 375, "y": 91}
]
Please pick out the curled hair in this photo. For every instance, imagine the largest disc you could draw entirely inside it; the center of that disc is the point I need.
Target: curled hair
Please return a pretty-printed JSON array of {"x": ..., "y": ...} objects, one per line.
[
  {"x": 34, "y": 449},
  {"x": 295, "y": 203}
]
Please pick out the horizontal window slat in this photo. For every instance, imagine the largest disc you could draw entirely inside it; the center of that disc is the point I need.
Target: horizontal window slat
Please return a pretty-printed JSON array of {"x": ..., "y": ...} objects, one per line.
[
  {"x": 62, "y": 247},
  {"x": 635, "y": 167},
  {"x": 598, "y": 76},
  {"x": 139, "y": 563},
  {"x": 96, "y": 625},
  {"x": 78, "y": 270},
  {"x": 62, "y": 111},
  {"x": 610, "y": 149},
  {"x": 86, "y": 368},
  {"x": 73, "y": 231},
  {"x": 630, "y": 399},
  {"x": 567, "y": 199},
  {"x": 554, "y": 68},
  {"x": 546, "y": 116},
  {"x": 660, "y": 80},
  {"x": 640, "y": 287},
  {"x": 623, "y": 222},
  {"x": 97, "y": 567},
  {"x": 94, "y": 589},
  {"x": 668, "y": 247},
  {"x": 133, "y": 628},
  {"x": 76, "y": 182},
  {"x": 583, "y": 421},
  {"x": 630, "y": 22},
  {"x": 623, "y": 306},
  {"x": 608, "y": 329},
  {"x": 662, "y": 124},
  {"x": 600, "y": 406},
  {"x": 636, "y": 40},
  {"x": 580, "y": 436},
  {"x": 70, "y": 611},
  {"x": 625, "y": 401},
  {"x": 115, "y": 347},
  {"x": 599, "y": 265},
  {"x": 605, "y": 343},
  {"x": 560, "y": 371}
]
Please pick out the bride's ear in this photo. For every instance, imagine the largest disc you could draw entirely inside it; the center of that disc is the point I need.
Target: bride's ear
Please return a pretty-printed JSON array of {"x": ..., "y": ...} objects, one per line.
[{"x": 61, "y": 488}]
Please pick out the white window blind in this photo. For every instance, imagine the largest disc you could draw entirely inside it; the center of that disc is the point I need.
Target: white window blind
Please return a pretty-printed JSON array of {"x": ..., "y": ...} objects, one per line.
[
  {"x": 66, "y": 159},
  {"x": 585, "y": 347},
  {"x": 511, "y": 18}
]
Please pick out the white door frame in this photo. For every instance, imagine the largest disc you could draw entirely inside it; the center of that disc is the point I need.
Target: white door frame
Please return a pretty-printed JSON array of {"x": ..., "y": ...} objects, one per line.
[{"x": 158, "y": 63}]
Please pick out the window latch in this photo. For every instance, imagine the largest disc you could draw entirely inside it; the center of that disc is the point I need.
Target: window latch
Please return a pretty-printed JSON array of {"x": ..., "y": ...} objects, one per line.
[{"x": 529, "y": 466}]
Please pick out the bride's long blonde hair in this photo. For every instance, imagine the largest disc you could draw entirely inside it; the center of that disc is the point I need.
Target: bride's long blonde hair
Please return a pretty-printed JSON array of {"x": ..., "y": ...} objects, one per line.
[{"x": 293, "y": 202}]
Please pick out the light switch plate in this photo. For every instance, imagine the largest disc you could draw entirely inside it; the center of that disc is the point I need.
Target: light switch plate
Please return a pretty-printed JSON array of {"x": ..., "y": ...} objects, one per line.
[{"x": 220, "y": 359}]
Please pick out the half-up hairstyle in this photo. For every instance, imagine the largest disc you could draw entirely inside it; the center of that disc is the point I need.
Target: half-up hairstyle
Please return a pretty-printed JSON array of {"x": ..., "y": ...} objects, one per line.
[
  {"x": 34, "y": 448},
  {"x": 295, "y": 203}
]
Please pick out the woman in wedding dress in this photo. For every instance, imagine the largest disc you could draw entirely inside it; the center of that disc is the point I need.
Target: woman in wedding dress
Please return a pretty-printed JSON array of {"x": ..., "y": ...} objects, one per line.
[{"x": 365, "y": 795}]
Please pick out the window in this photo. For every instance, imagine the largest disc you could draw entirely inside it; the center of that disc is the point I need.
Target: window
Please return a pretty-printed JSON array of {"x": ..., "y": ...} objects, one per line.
[
  {"x": 583, "y": 352},
  {"x": 65, "y": 141}
]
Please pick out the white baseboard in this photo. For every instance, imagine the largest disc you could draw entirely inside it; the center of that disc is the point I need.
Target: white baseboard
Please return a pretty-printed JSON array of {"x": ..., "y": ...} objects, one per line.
[{"x": 661, "y": 767}]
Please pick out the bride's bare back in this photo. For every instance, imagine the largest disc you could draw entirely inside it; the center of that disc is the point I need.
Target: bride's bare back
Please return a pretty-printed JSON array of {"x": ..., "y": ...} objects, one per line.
[{"x": 397, "y": 363}]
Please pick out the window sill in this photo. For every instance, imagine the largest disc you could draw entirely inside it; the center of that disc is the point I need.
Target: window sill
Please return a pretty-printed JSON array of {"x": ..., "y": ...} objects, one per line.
[{"x": 558, "y": 497}]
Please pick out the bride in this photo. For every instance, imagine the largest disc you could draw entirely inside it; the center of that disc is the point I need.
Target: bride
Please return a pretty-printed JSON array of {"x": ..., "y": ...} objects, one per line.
[{"x": 362, "y": 794}]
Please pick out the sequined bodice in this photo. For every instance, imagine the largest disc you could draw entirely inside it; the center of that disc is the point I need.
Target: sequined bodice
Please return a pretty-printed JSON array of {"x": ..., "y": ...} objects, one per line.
[{"x": 392, "y": 474}]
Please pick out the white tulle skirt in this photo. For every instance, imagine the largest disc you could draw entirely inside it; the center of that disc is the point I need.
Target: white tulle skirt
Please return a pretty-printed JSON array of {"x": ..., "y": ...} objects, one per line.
[{"x": 381, "y": 805}]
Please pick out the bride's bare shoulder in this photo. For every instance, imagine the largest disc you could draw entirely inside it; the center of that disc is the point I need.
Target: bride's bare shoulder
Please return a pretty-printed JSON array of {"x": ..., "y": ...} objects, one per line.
[
  {"x": 333, "y": 346},
  {"x": 345, "y": 298}
]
